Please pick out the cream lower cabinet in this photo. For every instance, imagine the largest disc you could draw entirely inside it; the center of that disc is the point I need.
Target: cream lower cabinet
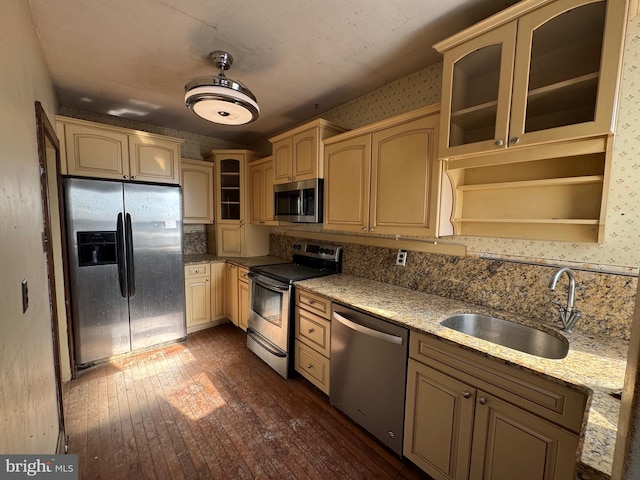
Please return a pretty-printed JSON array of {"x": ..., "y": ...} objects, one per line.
[
  {"x": 385, "y": 178},
  {"x": 313, "y": 336},
  {"x": 204, "y": 295},
  {"x": 243, "y": 298},
  {"x": 197, "y": 295},
  {"x": 468, "y": 417},
  {"x": 232, "y": 293}
]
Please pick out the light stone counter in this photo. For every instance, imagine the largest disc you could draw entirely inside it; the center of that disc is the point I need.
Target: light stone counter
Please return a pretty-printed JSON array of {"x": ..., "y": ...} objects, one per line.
[
  {"x": 594, "y": 365},
  {"x": 246, "y": 262}
]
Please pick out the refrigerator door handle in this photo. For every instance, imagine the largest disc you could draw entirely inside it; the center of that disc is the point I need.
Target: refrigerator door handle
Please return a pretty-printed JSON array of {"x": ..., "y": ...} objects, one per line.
[
  {"x": 130, "y": 267},
  {"x": 120, "y": 254}
]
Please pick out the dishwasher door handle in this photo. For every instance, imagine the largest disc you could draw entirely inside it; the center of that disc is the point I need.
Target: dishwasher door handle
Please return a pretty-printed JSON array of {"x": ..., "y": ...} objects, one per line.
[{"x": 387, "y": 337}]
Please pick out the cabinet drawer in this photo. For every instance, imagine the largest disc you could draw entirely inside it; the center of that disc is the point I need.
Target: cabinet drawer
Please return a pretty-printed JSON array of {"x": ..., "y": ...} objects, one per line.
[
  {"x": 558, "y": 403},
  {"x": 313, "y": 330},
  {"x": 197, "y": 270},
  {"x": 312, "y": 366},
  {"x": 314, "y": 303},
  {"x": 243, "y": 274}
]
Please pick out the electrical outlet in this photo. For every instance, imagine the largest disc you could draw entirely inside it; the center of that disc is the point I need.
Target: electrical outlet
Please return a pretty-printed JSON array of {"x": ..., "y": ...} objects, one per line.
[{"x": 401, "y": 259}]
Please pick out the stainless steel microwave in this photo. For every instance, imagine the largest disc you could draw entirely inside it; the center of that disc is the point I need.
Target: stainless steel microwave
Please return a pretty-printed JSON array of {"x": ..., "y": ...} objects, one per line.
[{"x": 299, "y": 202}]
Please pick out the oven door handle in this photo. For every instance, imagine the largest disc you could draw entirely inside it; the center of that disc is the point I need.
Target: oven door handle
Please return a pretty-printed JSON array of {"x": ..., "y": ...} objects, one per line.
[
  {"x": 387, "y": 337},
  {"x": 255, "y": 336},
  {"x": 268, "y": 285}
]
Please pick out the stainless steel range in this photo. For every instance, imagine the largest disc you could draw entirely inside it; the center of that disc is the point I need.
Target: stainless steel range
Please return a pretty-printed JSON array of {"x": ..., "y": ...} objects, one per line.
[{"x": 271, "y": 297}]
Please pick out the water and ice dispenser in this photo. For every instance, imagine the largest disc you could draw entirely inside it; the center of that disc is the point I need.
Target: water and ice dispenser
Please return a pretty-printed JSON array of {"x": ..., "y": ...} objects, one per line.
[{"x": 97, "y": 248}]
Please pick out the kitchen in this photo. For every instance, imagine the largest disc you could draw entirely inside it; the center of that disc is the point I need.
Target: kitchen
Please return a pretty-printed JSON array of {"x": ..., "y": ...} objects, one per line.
[{"x": 618, "y": 248}]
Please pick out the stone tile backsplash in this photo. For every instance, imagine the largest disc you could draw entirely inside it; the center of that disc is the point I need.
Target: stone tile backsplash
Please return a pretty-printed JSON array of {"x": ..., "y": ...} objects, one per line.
[
  {"x": 605, "y": 300},
  {"x": 195, "y": 239}
]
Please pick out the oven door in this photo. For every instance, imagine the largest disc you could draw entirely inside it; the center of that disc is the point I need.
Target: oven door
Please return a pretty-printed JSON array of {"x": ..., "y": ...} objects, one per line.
[{"x": 268, "y": 333}]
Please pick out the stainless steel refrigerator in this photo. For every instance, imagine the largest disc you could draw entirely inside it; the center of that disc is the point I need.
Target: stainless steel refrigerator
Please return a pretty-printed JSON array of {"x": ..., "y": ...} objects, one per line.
[{"x": 126, "y": 266}]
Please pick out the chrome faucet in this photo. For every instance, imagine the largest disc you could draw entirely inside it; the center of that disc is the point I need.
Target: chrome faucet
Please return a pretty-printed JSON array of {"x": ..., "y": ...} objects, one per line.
[{"x": 568, "y": 314}]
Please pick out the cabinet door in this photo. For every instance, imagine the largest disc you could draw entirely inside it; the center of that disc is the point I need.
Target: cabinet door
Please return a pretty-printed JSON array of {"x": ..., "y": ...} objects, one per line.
[
  {"x": 566, "y": 71},
  {"x": 198, "y": 300},
  {"x": 347, "y": 184},
  {"x": 269, "y": 181},
  {"x": 476, "y": 93},
  {"x": 230, "y": 188},
  {"x": 438, "y": 422},
  {"x": 257, "y": 193},
  {"x": 232, "y": 293},
  {"x": 197, "y": 191},
  {"x": 305, "y": 155},
  {"x": 93, "y": 152},
  {"x": 154, "y": 160},
  {"x": 243, "y": 305},
  {"x": 230, "y": 240},
  {"x": 405, "y": 178},
  {"x": 218, "y": 290},
  {"x": 282, "y": 161},
  {"x": 507, "y": 439}
]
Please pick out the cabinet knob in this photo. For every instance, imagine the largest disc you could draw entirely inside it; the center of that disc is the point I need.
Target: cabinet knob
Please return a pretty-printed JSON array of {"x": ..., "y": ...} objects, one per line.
[
  {"x": 482, "y": 400},
  {"x": 364, "y": 229},
  {"x": 206, "y": 279},
  {"x": 309, "y": 366},
  {"x": 133, "y": 177},
  {"x": 515, "y": 140},
  {"x": 499, "y": 142},
  {"x": 466, "y": 394},
  {"x": 311, "y": 330},
  {"x": 371, "y": 229},
  {"x": 125, "y": 177}
]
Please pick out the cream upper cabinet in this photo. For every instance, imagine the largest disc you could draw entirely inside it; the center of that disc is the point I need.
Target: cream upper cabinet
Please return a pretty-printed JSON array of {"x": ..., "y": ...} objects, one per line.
[
  {"x": 261, "y": 180},
  {"x": 103, "y": 151},
  {"x": 235, "y": 235},
  {"x": 386, "y": 179},
  {"x": 154, "y": 159},
  {"x": 540, "y": 71},
  {"x": 298, "y": 153},
  {"x": 197, "y": 191}
]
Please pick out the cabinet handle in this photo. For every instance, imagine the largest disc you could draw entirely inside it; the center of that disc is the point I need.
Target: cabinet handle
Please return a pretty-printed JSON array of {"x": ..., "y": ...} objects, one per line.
[
  {"x": 482, "y": 400},
  {"x": 466, "y": 394},
  {"x": 515, "y": 140},
  {"x": 311, "y": 330},
  {"x": 309, "y": 366},
  {"x": 499, "y": 142}
]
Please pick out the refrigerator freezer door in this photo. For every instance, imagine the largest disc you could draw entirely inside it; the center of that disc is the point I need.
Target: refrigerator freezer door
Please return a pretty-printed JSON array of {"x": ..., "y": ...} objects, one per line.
[
  {"x": 156, "y": 304},
  {"x": 100, "y": 312}
]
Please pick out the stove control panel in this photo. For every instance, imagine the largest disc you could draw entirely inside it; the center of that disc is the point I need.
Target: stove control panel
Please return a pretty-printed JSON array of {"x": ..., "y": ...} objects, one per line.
[{"x": 318, "y": 250}]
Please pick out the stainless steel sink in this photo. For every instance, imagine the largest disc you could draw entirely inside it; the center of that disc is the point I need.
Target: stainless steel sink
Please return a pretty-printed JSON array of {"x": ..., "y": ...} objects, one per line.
[{"x": 508, "y": 334}]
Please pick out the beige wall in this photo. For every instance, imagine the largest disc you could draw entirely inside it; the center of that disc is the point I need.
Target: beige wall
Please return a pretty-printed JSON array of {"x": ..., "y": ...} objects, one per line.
[{"x": 28, "y": 413}]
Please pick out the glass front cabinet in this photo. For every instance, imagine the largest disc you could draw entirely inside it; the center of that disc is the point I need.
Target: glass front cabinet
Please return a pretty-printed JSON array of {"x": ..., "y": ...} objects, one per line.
[{"x": 541, "y": 71}]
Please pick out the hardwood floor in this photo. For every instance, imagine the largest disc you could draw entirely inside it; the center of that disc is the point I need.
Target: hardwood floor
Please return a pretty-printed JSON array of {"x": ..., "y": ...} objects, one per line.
[{"x": 209, "y": 408}]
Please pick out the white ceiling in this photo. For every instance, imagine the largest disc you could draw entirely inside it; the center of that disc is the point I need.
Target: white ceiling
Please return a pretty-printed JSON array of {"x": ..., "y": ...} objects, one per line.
[{"x": 132, "y": 58}]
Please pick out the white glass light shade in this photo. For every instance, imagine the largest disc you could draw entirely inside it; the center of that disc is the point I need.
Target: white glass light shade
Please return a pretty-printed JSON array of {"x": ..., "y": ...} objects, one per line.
[{"x": 221, "y": 105}]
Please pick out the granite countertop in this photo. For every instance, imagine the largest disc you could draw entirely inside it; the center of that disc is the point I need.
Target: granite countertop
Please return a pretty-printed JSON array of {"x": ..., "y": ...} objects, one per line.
[
  {"x": 246, "y": 262},
  {"x": 595, "y": 364}
]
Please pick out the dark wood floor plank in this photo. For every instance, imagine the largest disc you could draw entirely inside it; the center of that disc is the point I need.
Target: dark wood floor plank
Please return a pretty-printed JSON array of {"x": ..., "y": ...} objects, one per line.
[{"x": 208, "y": 408}]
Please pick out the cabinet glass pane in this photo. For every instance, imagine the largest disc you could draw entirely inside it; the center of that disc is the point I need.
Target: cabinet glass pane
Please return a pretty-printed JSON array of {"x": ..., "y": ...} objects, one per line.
[
  {"x": 229, "y": 189},
  {"x": 474, "y": 97},
  {"x": 565, "y": 65}
]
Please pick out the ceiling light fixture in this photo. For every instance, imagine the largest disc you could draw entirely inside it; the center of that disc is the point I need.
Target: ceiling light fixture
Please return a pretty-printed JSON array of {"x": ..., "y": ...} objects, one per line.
[{"x": 220, "y": 99}]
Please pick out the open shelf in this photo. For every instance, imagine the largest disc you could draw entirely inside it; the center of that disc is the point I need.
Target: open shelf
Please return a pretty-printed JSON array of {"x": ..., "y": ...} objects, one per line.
[{"x": 545, "y": 193}]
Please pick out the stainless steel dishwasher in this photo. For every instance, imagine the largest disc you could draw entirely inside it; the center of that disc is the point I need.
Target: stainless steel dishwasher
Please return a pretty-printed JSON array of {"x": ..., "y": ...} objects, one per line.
[{"x": 369, "y": 372}]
